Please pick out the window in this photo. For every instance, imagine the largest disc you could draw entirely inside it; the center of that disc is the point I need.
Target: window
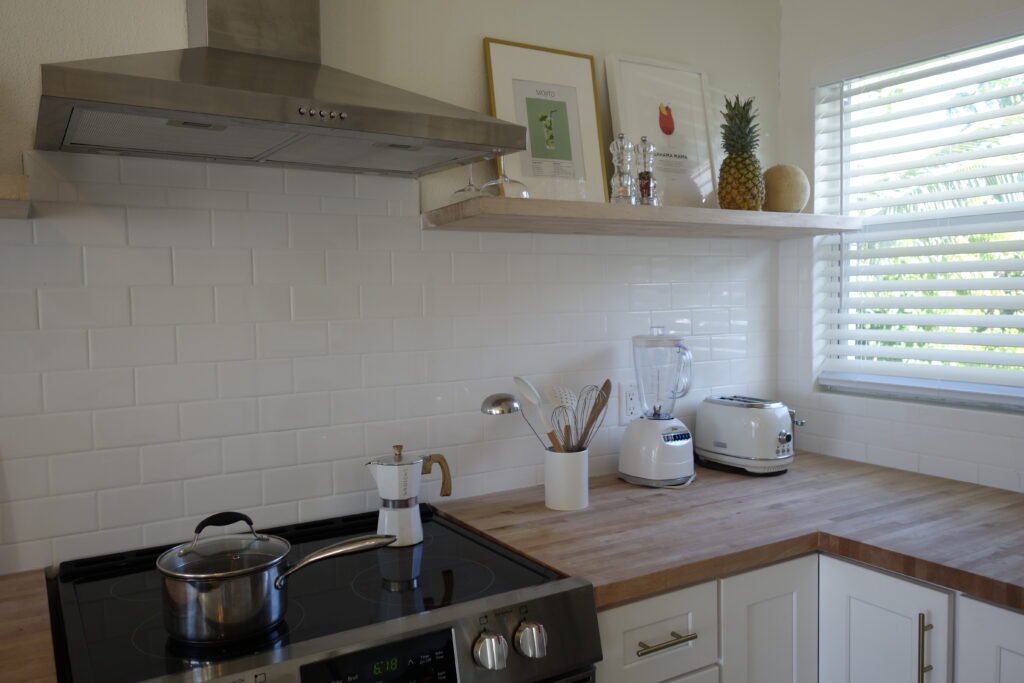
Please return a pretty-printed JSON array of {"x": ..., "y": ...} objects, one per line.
[{"x": 927, "y": 300}]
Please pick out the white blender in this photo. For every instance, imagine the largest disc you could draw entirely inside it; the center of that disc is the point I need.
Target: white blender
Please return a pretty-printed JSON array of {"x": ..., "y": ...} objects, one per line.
[
  {"x": 657, "y": 449},
  {"x": 398, "y": 482}
]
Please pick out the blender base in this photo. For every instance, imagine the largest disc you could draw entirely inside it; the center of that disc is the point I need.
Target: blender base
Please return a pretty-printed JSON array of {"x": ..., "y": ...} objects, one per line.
[{"x": 658, "y": 483}]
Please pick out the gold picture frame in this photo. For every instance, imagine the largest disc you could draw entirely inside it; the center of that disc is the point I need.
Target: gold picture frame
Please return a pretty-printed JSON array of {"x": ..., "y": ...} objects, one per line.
[{"x": 554, "y": 94}]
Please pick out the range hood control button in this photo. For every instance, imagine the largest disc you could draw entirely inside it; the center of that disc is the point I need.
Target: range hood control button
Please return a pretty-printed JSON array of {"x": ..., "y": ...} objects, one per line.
[
  {"x": 531, "y": 640},
  {"x": 491, "y": 651},
  {"x": 302, "y": 111}
]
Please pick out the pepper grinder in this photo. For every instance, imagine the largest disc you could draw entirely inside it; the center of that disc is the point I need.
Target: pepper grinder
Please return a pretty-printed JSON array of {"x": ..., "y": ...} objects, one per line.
[
  {"x": 648, "y": 184},
  {"x": 623, "y": 182}
]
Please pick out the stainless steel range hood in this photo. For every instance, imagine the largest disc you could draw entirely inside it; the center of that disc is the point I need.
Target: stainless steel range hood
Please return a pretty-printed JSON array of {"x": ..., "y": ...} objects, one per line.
[{"x": 254, "y": 91}]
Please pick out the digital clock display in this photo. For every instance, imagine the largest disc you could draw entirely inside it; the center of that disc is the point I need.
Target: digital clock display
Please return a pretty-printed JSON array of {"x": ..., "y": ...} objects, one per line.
[{"x": 427, "y": 658}]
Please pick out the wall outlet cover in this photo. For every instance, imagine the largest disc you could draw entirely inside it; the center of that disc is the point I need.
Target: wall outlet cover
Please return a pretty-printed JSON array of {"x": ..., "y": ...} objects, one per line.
[{"x": 629, "y": 403}]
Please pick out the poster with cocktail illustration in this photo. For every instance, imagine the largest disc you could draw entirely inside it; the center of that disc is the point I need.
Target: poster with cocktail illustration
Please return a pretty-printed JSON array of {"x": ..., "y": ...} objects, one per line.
[
  {"x": 553, "y": 145},
  {"x": 669, "y": 104}
]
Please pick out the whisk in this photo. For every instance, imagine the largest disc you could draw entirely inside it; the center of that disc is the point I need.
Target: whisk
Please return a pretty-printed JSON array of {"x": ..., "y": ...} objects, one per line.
[
  {"x": 563, "y": 422},
  {"x": 590, "y": 409}
]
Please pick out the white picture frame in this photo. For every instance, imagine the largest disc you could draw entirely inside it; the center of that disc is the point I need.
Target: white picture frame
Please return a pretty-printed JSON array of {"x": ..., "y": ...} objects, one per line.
[
  {"x": 564, "y": 159},
  {"x": 639, "y": 91}
]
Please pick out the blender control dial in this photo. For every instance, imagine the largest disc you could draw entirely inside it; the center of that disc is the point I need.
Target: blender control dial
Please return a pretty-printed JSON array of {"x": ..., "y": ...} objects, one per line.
[
  {"x": 491, "y": 651},
  {"x": 531, "y": 639}
]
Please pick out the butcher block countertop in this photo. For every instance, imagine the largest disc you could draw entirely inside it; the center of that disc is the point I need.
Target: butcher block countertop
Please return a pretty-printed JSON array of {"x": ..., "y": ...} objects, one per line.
[{"x": 634, "y": 542}]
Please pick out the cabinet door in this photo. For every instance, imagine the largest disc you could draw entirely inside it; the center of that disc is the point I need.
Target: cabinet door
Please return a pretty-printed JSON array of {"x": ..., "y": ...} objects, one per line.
[
  {"x": 708, "y": 675},
  {"x": 990, "y": 643},
  {"x": 658, "y": 638},
  {"x": 870, "y": 627},
  {"x": 770, "y": 624}
]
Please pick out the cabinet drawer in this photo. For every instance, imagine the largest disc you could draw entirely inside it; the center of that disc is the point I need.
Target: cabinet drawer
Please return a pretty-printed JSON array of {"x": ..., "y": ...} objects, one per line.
[
  {"x": 652, "y": 622},
  {"x": 709, "y": 675}
]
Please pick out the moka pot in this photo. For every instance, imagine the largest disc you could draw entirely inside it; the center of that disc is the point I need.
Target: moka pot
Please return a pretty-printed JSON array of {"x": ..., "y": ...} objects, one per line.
[{"x": 398, "y": 480}]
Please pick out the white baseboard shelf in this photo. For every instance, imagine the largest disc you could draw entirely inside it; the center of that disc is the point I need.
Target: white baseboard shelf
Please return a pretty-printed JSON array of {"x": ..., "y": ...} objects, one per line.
[{"x": 500, "y": 214}]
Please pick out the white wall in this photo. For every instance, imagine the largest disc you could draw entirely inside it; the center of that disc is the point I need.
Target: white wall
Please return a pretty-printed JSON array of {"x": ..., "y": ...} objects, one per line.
[
  {"x": 823, "y": 41},
  {"x": 34, "y": 32}
]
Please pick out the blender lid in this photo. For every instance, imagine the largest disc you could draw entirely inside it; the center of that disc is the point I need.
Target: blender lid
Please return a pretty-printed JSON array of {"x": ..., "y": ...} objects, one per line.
[{"x": 657, "y": 337}]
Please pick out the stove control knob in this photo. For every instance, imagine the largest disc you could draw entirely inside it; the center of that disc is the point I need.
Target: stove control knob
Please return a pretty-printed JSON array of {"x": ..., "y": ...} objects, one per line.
[
  {"x": 531, "y": 640},
  {"x": 491, "y": 651}
]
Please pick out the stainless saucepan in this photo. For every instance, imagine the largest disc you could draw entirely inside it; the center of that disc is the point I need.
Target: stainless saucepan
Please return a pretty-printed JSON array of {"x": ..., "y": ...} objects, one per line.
[{"x": 225, "y": 588}]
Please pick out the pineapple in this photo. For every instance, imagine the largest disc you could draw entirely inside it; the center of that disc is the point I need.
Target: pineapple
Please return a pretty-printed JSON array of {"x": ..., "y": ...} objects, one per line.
[{"x": 740, "y": 185}]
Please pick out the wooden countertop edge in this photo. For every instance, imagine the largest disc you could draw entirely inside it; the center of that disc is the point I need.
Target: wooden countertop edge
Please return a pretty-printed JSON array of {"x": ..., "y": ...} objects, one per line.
[{"x": 25, "y": 642}]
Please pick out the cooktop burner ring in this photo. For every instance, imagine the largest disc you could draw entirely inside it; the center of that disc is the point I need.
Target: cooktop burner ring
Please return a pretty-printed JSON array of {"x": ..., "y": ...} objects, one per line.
[
  {"x": 469, "y": 577},
  {"x": 151, "y": 639}
]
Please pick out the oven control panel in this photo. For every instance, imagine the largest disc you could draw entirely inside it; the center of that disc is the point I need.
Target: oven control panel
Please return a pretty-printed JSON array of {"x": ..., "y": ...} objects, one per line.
[{"x": 428, "y": 658}]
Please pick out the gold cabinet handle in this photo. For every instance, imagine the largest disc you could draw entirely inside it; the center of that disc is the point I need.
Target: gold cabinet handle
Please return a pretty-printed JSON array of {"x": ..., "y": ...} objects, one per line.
[
  {"x": 921, "y": 629},
  {"x": 676, "y": 639}
]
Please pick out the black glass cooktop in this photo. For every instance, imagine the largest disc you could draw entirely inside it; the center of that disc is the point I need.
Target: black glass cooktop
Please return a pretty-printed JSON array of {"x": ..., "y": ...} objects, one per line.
[{"x": 107, "y": 611}]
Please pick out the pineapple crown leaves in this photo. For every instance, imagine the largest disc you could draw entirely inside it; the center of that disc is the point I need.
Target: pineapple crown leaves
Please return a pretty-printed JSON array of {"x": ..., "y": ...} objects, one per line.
[{"x": 739, "y": 132}]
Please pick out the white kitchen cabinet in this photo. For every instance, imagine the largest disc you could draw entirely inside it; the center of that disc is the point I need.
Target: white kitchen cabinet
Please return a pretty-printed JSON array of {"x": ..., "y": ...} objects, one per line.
[
  {"x": 990, "y": 643},
  {"x": 660, "y": 638},
  {"x": 872, "y": 626},
  {"x": 708, "y": 675},
  {"x": 770, "y": 624}
]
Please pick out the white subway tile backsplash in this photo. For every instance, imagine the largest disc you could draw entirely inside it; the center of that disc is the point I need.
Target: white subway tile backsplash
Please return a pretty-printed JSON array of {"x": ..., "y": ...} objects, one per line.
[
  {"x": 40, "y": 266},
  {"x": 253, "y": 304},
  {"x": 21, "y": 394},
  {"x": 94, "y": 471},
  {"x": 88, "y": 389},
  {"x": 180, "y": 460},
  {"x": 255, "y": 378},
  {"x": 28, "y": 520},
  {"x": 162, "y": 172},
  {"x": 236, "y": 177},
  {"x": 318, "y": 302},
  {"x": 327, "y": 373},
  {"x": 198, "y": 343},
  {"x": 171, "y": 305},
  {"x": 260, "y": 451},
  {"x": 213, "y": 266},
  {"x": 67, "y": 224},
  {"x": 163, "y": 227},
  {"x": 329, "y": 444},
  {"x": 97, "y": 543},
  {"x": 177, "y": 383},
  {"x": 43, "y": 350},
  {"x": 135, "y": 426},
  {"x": 206, "y": 419},
  {"x": 297, "y": 483},
  {"x": 312, "y": 231},
  {"x": 110, "y": 266},
  {"x": 301, "y": 181},
  {"x": 206, "y": 199},
  {"x": 131, "y": 346},
  {"x": 358, "y": 267},
  {"x": 389, "y": 233},
  {"x": 348, "y": 292},
  {"x": 298, "y": 411},
  {"x": 83, "y": 307},
  {"x": 288, "y": 340},
  {"x": 289, "y": 266},
  {"x": 141, "y": 504},
  {"x": 23, "y": 479},
  {"x": 227, "y": 492},
  {"x": 249, "y": 229},
  {"x": 18, "y": 309}
]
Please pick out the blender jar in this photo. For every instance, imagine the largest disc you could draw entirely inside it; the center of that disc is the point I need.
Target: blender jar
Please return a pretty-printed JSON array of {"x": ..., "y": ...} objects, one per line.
[{"x": 662, "y": 367}]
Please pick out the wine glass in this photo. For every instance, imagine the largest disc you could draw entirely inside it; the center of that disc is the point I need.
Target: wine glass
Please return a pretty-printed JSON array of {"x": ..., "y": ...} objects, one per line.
[
  {"x": 467, "y": 191},
  {"x": 503, "y": 185}
]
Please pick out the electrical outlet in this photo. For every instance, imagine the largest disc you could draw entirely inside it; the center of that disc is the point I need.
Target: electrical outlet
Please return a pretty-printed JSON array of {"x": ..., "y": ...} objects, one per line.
[{"x": 629, "y": 403}]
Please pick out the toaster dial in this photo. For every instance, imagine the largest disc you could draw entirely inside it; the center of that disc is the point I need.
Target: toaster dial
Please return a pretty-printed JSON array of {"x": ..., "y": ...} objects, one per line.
[{"x": 785, "y": 437}]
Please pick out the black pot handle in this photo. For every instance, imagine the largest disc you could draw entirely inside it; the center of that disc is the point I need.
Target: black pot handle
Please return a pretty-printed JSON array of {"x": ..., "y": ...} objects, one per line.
[{"x": 224, "y": 519}]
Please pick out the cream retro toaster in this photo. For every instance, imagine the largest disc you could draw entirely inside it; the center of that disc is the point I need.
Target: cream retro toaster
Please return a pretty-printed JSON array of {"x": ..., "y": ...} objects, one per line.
[{"x": 741, "y": 432}]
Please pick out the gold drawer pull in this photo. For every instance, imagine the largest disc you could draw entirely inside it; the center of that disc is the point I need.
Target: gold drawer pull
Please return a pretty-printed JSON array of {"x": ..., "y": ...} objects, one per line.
[
  {"x": 677, "y": 639},
  {"x": 921, "y": 628}
]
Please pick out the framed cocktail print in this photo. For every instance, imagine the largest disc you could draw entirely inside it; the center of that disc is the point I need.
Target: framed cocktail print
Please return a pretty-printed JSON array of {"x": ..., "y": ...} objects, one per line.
[
  {"x": 670, "y": 105},
  {"x": 553, "y": 94}
]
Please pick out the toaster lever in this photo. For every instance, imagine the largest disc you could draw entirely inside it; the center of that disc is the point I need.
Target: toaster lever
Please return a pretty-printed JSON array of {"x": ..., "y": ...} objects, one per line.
[{"x": 796, "y": 422}]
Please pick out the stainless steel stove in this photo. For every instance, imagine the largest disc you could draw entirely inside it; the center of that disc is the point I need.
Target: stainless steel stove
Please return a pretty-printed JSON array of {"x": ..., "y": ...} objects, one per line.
[{"x": 455, "y": 608}]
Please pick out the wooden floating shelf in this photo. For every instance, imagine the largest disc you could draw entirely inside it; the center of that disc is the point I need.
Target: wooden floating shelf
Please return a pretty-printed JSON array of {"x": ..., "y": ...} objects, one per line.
[{"x": 500, "y": 214}]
